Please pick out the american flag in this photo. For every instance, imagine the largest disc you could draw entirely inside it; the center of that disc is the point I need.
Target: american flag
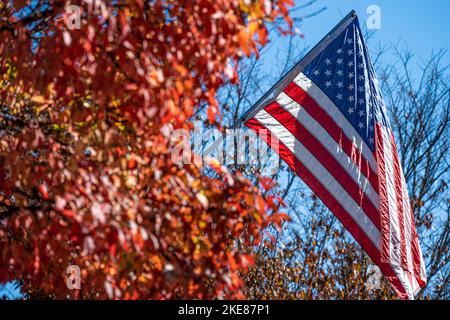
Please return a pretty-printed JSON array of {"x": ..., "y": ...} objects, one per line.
[{"x": 332, "y": 129}]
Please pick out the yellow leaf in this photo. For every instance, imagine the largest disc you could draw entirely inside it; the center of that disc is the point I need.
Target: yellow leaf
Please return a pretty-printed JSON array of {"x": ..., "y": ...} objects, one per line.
[{"x": 38, "y": 99}]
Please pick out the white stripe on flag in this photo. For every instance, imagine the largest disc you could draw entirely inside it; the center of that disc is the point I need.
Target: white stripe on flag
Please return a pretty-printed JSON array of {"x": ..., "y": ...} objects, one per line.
[{"x": 394, "y": 228}]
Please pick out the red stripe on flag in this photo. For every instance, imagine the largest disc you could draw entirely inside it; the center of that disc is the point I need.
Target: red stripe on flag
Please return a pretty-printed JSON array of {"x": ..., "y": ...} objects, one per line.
[
  {"x": 382, "y": 191},
  {"x": 283, "y": 152},
  {"x": 416, "y": 252},
  {"x": 332, "y": 204},
  {"x": 399, "y": 199},
  {"x": 327, "y": 160},
  {"x": 321, "y": 116}
]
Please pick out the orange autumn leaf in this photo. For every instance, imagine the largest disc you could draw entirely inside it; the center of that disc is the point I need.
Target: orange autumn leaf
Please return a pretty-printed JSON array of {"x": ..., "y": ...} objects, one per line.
[{"x": 87, "y": 154}]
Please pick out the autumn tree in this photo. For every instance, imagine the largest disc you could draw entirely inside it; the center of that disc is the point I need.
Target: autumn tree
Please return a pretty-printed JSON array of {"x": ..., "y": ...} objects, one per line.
[{"x": 86, "y": 174}]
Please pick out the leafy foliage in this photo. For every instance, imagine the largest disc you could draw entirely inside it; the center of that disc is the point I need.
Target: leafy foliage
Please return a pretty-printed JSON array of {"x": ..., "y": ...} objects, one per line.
[{"x": 86, "y": 176}]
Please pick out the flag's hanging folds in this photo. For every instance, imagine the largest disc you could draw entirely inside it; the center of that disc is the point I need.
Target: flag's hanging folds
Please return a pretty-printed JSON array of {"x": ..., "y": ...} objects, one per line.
[{"x": 333, "y": 131}]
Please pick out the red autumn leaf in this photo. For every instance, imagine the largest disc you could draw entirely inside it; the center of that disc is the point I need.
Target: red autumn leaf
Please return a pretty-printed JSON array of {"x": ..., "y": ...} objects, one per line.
[
  {"x": 43, "y": 191},
  {"x": 131, "y": 164},
  {"x": 280, "y": 217},
  {"x": 212, "y": 113},
  {"x": 262, "y": 35},
  {"x": 68, "y": 213},
  {"x": 95, "y": 109}
]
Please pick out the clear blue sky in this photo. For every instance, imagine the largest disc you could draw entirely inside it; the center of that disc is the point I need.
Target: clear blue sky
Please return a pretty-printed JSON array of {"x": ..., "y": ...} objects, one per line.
[{"x": 423, "y": 25}]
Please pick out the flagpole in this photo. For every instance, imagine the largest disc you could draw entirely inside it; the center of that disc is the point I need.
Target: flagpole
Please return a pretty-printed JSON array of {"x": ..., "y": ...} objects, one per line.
[{"x": 290, "y": 75}]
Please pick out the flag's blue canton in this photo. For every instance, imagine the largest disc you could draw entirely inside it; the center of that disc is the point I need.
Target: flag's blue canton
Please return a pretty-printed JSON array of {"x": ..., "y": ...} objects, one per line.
[{"x": 344, "y": 72}]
